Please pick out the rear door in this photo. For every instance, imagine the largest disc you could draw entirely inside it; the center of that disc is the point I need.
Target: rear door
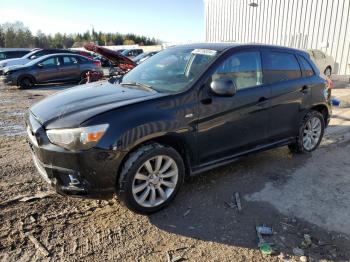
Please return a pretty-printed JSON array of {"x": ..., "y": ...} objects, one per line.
[
  {"x": 69, "y": 69},
  {"x": 48, "y": 70},
  {"x": 289, "y": 94},
  {"x": 231, "y": 125}
]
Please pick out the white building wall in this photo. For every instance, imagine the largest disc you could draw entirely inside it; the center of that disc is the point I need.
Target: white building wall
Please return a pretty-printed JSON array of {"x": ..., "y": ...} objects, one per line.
[{"x": 314, "y": 24}]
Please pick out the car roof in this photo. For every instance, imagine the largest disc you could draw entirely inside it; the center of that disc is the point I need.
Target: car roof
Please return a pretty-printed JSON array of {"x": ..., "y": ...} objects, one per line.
[
  {"x": 225, "y": 46},
  {"x": 61, "y": 54},
  {"x": 14, "y": 49}
]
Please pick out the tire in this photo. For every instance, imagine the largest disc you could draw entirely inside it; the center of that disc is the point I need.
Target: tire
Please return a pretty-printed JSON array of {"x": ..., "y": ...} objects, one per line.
[
  {"x": 309, "y": 139},
  {"x": 328, "y": 71},
  {"x": 26, "y": 83},
  {"x": 83, "y": 75},
  {"x": 137, "y": 185}
]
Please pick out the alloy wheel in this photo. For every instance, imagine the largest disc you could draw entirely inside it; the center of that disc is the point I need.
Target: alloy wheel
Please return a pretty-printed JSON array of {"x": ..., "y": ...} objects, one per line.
[
  {"x": 26, "y": 83},
  {"x": 155, "y": 181},
  {"x": 312, "y": 133}
]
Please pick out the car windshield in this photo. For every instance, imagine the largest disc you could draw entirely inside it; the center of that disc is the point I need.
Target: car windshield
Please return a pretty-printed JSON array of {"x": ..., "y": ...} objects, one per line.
[{"x": 171, "y": 70}]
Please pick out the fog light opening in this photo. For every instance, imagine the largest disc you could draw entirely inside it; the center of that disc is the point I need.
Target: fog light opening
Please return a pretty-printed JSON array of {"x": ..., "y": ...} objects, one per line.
[{"x": 73, "y": 180}]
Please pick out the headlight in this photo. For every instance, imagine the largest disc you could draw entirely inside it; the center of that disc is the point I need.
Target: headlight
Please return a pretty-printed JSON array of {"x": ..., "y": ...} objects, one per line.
[
  {"x": 8, "y": 73},
  {"x": 81, "y": 138},
  {"x": 3, "y": 65}
]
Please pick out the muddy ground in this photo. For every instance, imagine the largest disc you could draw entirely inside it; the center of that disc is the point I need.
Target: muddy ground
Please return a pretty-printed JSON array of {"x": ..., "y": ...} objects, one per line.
[{"x": 293, "y": 194}]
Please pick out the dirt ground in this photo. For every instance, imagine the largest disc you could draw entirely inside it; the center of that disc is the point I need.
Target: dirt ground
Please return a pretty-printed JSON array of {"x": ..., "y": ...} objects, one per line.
[{"x": 293, "y": 194}]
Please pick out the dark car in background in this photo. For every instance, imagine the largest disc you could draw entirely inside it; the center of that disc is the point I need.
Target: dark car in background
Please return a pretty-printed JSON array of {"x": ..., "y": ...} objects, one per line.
[
  {"x": 183, "y": 111},
  {"x": 9, "y": 53},
  {"x": 36, "y": 53},
  {"x": 143, "y": 57},
  {"x": 130, "y": 53},
  {"x": 50, "y": 69}
]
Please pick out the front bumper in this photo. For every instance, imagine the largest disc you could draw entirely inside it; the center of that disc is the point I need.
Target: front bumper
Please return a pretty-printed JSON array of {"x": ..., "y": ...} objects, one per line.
[
  {"x": 7, "y": 80},
  {"x": 90, "y": 174}
]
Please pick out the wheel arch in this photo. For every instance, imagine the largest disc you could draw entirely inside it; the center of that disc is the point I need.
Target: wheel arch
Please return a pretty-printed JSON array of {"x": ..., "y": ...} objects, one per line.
[
  {"x": 323, "y": 110},
  {"x": 330, "y": 67},
  {"x": 26, "y": 76},
  {"x": 171, "y": 140}
]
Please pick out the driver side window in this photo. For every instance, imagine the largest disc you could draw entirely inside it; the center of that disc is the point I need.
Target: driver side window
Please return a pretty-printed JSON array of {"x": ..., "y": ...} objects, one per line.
[
  {"x": 244, "y": 69},
  {"x": 52, "y": 61}
]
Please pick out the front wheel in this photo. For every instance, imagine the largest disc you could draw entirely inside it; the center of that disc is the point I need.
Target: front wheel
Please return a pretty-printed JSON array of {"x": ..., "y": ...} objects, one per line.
[
  {"x": 150, "y": 178},
  {"x": 311, "y": 131},
  {"x": 26, "y": 83}
]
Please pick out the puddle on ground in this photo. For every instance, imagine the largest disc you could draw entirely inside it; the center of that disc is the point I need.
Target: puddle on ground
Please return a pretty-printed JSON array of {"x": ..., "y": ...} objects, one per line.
[
  {"x": 14, "y": 113},
  {"x": 7, "y": 129}
]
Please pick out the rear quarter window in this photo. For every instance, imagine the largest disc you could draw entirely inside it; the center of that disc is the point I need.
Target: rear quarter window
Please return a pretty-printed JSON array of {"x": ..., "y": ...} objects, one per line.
[
  {"x": 307, "y": 68},
  {"x": 280, "y": 66}
]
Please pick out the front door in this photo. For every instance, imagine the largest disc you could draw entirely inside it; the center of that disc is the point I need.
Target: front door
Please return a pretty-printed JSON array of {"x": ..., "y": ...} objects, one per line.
[
  {"x": 230, "y": 125},
  {"x": 48, "y": 70}
]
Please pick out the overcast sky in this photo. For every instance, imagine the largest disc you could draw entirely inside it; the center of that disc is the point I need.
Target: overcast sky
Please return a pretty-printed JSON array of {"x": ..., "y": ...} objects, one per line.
[{"x": 168, "y": 20}]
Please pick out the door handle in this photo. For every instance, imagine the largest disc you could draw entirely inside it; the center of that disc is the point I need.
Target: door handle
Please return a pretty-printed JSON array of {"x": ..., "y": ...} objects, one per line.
[
  {"x": 262, "y": 101},
  {"x": 305, "y": 89}
]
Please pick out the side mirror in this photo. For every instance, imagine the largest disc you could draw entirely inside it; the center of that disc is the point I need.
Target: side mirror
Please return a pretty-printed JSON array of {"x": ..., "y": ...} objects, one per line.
[
  {"x": 40, "y": 65},
  {"x": 223, "y": 87}
]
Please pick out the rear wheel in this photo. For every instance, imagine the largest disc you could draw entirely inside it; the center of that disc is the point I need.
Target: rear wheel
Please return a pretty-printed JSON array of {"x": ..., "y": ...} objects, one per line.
[
  {"x": 83, "y": 78},
  {"x": 311, "y": 131},
  {"x": 26, "y": 82},
  {"x": 150, "y": 178}
]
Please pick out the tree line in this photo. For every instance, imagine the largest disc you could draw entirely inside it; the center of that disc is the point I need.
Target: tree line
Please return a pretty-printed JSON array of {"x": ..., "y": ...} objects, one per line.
[{"x": 18, "y": 35}]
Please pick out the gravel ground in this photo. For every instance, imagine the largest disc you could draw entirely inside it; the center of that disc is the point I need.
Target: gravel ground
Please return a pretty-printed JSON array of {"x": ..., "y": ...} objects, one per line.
[{"x": 294, "y": 194}]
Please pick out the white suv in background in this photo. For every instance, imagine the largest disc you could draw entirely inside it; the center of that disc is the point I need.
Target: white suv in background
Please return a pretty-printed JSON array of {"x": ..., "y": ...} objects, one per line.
[{"x": 324, "y": 62}]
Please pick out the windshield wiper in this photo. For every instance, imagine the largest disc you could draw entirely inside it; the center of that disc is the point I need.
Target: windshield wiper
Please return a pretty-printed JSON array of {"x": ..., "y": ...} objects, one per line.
[{"x": 137, "y": 84}]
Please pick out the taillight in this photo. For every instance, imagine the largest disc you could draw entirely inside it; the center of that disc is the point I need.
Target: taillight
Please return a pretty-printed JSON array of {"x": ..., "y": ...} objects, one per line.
[
  {"x": 330, "y": 84},
  {"x": 97, "y": 63}
]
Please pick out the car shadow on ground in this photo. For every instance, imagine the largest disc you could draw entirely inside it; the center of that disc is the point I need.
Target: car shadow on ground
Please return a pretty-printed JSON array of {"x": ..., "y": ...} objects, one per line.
[{"x": 204, "y": 208}]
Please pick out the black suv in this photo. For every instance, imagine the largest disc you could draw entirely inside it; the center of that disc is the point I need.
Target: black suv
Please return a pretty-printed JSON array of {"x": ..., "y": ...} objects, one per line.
[{"x": 186, "y": 109}]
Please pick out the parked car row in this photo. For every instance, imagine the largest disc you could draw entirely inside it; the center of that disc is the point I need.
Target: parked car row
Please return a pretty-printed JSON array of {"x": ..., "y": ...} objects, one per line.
[{"x": 47, "y": 66}]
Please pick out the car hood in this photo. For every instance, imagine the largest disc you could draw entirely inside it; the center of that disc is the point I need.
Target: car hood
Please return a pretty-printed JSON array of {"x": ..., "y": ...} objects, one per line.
[
  {"x": 70, "y": 108},
  {"x": 14, "y": 61},
  {"x": 14, "y": 68}
]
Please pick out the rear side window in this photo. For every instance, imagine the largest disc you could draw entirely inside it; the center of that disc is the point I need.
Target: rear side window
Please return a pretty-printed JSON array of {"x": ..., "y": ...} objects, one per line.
[
  {"x": 280, "y": 67},
  {"x": 244, "y": 69},
  {"x": 69, "y": 60},
  {"x": 307, "y": 68}
]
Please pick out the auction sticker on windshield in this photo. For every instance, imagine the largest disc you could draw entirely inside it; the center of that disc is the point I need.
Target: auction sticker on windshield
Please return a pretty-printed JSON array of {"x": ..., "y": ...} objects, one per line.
[{"x": 208, "y": 52}]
